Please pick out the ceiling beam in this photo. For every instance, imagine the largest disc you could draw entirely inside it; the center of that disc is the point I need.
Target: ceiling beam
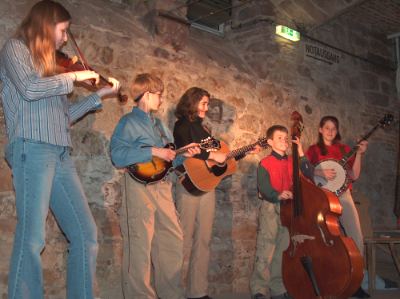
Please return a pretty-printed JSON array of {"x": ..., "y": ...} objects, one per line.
[{"x": 340, "y": 13}]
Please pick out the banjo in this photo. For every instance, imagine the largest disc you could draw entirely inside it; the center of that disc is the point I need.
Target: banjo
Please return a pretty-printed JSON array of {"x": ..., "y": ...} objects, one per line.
[{"x": 342, "y": 180}]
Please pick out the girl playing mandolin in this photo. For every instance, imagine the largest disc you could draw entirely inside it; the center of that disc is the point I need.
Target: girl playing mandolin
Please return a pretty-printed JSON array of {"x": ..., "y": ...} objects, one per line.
[
  {"x": 329, "y": 146},
  {"x": 38, "y": 117}
]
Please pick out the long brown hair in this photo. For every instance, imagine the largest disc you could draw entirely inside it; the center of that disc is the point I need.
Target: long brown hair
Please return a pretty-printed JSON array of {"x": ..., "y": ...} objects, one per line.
[
  {"x": 320, "y": 142},
  {"x": 188, "y": 103},
  {"x": 37, "y": 31}
]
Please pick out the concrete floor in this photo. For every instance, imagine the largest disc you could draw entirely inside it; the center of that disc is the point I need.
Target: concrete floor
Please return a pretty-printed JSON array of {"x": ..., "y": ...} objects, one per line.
[
  {"x": 392, "y": 294},
  {"x": 385, "y": 269}
]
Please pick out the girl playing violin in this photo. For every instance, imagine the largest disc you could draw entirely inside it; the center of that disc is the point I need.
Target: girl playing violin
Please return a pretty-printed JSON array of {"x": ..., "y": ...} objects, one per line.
[{"x": 38, "y": 118}]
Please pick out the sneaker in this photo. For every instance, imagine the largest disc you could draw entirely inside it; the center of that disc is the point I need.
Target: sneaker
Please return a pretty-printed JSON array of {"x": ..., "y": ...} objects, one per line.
[
  {"x": 259, "y": 296},
  {"x": 360, "y": 293},
  {"x": 282, "y": 296}
]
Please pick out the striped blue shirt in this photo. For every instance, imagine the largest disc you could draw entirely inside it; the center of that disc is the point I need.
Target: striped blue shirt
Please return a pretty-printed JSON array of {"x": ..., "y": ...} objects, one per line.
[{"x": 37, "y": 107}]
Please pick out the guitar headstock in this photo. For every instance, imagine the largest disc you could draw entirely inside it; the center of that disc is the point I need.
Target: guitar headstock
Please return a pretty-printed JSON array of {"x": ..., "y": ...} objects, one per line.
[
  {"x": 263, "y": 142},
  {"x": 210, "y": 144},
  {"x": 386, "y": 120},
  {"x": 297, "y": 124}
]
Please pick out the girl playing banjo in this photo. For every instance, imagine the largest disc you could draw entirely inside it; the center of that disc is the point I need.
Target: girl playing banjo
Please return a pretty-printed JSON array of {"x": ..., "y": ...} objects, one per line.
[{"x": 330, "y": 147}]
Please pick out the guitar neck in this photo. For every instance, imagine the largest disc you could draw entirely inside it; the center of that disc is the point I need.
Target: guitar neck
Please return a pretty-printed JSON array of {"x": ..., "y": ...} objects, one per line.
[{"x": 241, "y": 151}]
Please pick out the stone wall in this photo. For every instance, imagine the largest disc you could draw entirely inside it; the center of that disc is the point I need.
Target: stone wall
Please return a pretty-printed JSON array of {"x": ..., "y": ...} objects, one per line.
[
  {"x": 256, "y": 79},
  {"x": 357, "y": 91}
]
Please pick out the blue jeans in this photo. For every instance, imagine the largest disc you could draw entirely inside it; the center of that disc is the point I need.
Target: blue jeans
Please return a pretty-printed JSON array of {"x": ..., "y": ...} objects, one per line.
[{"x": 44, "y": 176}]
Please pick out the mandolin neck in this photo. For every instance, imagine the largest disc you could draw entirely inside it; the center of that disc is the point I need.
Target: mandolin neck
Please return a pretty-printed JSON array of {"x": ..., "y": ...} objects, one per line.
[{"x": 184, "y": 149}]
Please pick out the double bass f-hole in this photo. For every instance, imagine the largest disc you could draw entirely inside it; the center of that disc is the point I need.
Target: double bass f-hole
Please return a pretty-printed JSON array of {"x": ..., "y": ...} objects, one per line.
[{"x": 79, "y": 63}]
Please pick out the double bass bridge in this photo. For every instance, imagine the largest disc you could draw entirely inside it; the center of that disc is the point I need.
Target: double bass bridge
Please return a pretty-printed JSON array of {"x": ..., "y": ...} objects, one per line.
[{"x": 299, "y": 239}]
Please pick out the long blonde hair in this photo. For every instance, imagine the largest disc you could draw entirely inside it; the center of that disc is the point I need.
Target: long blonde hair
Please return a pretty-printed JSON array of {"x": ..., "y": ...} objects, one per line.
[{"x": 37, "y": 31}]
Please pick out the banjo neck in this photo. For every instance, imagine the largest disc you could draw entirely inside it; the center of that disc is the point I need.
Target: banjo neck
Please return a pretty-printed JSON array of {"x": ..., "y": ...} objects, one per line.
[{"x": 387, "y": 119}]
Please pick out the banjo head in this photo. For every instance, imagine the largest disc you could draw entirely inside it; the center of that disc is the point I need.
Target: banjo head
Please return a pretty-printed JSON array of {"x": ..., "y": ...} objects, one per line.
[{"x": 338, "y": 183}]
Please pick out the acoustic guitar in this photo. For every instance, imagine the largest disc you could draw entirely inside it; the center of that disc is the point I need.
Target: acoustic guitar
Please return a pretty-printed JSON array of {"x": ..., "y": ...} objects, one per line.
[
  {"x": 157, "y": 169},
  {"x": 199, "y": 176}
]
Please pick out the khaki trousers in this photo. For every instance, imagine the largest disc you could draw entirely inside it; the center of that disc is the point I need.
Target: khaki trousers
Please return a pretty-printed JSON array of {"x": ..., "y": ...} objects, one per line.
[
  {"x": 272, "y": 240},
  {"x": 197, "y": 216},
  {"x": 351, "y": 221},
  {"x": 152, "y": 237}
]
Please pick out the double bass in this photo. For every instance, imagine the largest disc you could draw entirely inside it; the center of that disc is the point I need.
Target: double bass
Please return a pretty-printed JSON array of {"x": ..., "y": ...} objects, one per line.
[{"x": 320, "y": 261}]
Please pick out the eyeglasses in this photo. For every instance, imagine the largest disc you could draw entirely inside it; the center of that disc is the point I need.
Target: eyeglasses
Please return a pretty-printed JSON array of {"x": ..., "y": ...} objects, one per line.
[
  {"x": 157, "y": 93},
  {"x": 137, "y": 99}
]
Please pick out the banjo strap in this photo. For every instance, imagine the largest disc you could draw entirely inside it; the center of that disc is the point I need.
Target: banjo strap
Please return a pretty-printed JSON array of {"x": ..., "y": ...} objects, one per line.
[{"x": 342, "y": 150}]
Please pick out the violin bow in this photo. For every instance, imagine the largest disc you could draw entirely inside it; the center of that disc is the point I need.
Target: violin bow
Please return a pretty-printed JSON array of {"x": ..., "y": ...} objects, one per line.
[{"x": 78, "y": 50}]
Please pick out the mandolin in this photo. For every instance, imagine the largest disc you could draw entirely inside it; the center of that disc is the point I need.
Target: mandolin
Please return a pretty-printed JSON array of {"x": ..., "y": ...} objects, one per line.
[{"x": 157, "y": 169}]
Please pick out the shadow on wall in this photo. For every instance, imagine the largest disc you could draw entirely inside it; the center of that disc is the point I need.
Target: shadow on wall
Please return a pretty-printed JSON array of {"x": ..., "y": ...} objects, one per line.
[{"x": 103, "y": 190}]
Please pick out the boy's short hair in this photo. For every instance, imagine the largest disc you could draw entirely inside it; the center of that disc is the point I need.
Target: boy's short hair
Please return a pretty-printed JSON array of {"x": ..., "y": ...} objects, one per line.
[
  {"x": 145, "y": 83},
  {"x": 271, "y": 130}
]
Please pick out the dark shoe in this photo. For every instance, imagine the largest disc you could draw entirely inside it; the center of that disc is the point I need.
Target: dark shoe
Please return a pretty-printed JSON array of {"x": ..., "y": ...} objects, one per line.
[
  {"x": 259, "y": 296},
  {"x": 390, "y": 284},
  {"x": 282, "y": 296},
  {"x": 204, "y": 297},
  {"x": 360, "y": 293}
]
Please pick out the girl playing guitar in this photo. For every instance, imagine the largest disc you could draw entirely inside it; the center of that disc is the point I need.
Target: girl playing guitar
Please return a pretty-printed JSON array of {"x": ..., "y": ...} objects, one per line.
[{"x": 196, "y": 212}]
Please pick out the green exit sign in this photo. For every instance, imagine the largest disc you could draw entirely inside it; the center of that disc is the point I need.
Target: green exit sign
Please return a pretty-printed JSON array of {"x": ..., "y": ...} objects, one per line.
[{"x": 288, "y": 33}]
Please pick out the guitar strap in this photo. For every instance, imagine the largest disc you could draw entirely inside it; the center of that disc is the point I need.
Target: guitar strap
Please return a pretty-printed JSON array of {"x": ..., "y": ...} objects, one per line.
[
  {"x": 157, "y": 127},
  {"x": 207, "y": 129}
]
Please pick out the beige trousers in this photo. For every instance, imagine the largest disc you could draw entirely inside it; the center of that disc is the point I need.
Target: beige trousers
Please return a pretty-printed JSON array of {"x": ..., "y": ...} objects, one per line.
[
  {"x": 351, "y": 221},
  {"x": 152, "y": 238},
  {"x": 272, "y": 240},
  {"x": 197, "y": 216}
]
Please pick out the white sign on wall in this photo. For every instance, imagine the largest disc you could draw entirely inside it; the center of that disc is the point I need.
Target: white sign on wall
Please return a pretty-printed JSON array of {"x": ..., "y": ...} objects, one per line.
[{"x": 321, "y": 53}]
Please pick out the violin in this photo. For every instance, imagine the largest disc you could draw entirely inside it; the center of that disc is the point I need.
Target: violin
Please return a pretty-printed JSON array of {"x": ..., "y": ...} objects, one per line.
[{"x": 66, "y": 64}]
